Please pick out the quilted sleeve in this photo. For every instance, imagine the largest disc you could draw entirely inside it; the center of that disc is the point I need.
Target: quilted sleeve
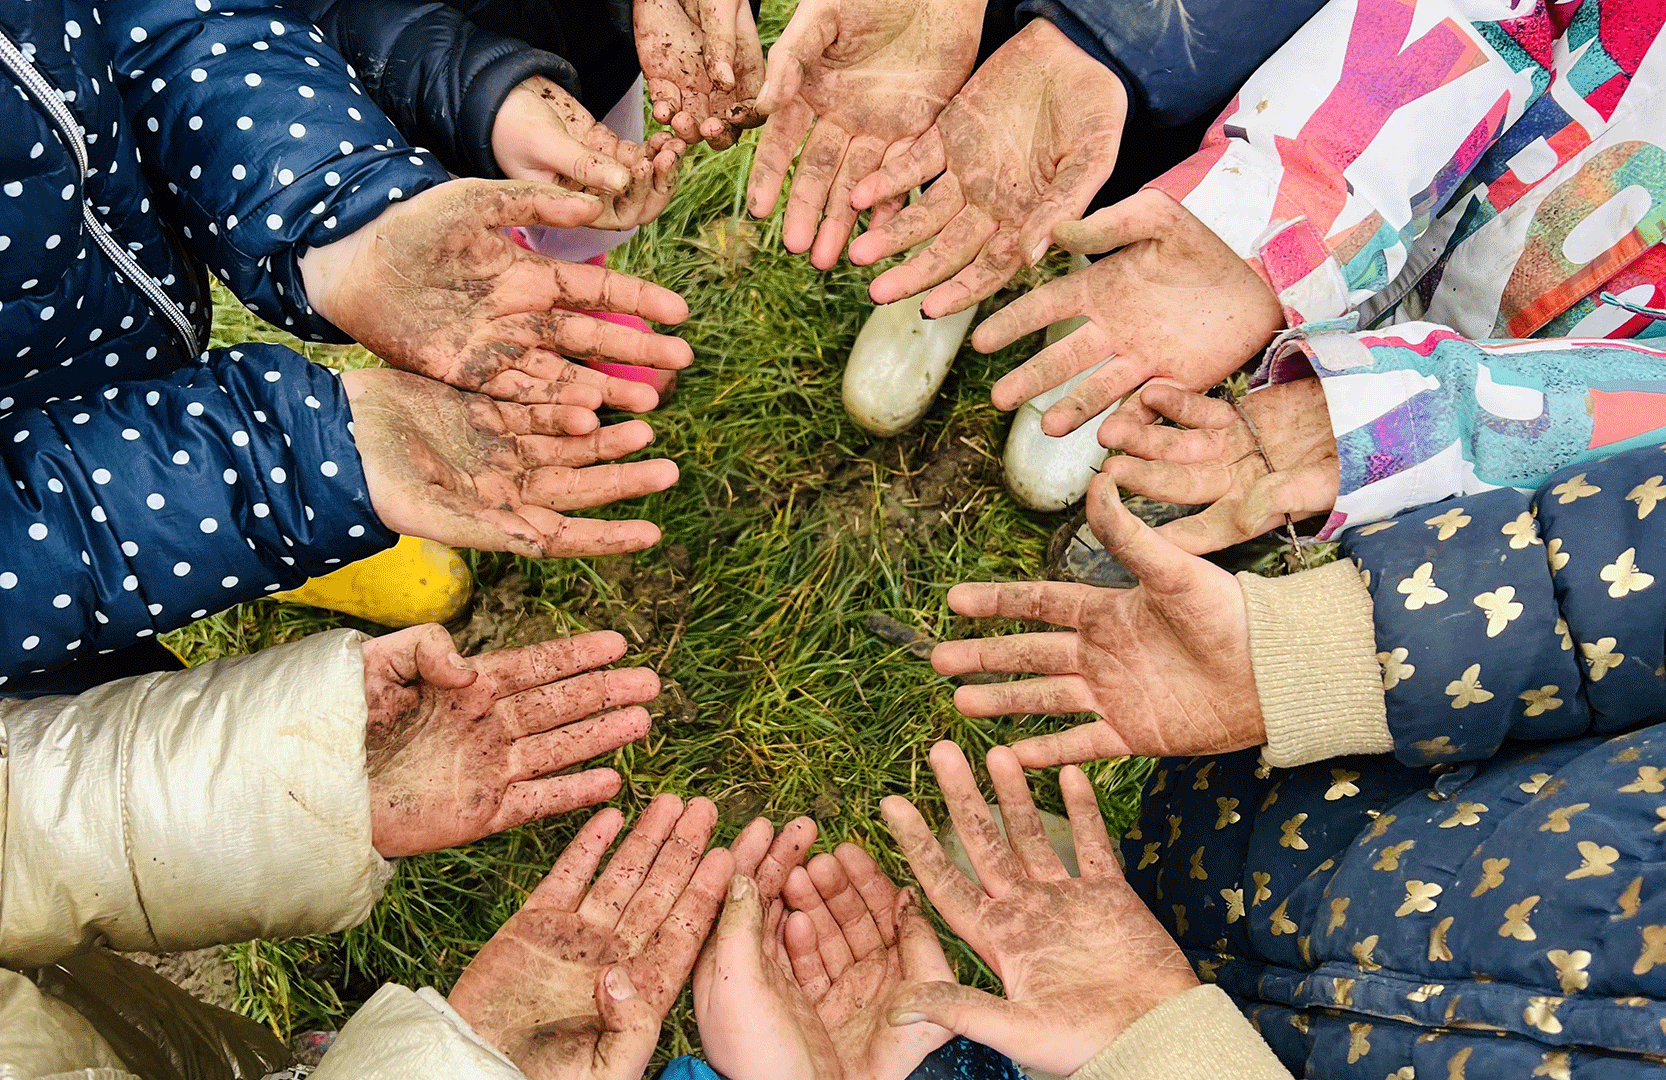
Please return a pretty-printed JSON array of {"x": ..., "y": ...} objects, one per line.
[
  {"x": 1512, "y": 615},
  {"x": 261, "y": 141},
  {"x": 149, "y": 504}
]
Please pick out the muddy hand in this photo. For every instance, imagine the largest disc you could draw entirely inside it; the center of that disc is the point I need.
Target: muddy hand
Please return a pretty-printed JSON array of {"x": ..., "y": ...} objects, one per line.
[
  {"x": 1166, "y": 665},
  {"x": 704, "y": 66},
  {"x": 1216, "y": 460},
  {"x": 1024, "y": 146},
  {"x": 542, "y": 133},
  {"x": 863, "y": 79},
  {"x": 472, "y": 471},
  {"x": 436, "y": 286},
  {"x": 1079, "y": 958},
  {"x": 577, "y": 983},
  {"x": 1174, "y": 302},
  {"x": 460, "y": 748}
]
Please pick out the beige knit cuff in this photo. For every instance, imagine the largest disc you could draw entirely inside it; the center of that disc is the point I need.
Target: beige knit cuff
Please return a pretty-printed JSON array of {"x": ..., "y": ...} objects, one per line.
[
  {"x": 1314, "y": 649},
  {"x": 1198, "y": 1035}
]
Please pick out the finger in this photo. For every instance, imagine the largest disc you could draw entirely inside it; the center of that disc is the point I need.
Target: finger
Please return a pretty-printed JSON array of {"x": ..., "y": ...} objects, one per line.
[
  {"x": 954, "y": 895},
  {"x": 984, "y": 1018},
  {"x": 1187, "y": 485},
  {"x": 1210, "y": 529},
  {"x": 1095, "y": 854},
  {"x": 925, "y": 218},
  {"x": 872, "y": 884},
  {"x": 1061, "y": 603},
  {"x": 1093, "y": 741},
  {"x": 997, "y": 261},
  {"x": 1072, "y": 189},
  {"x": 1046, "y": 696},
  {"x": 564, "y": 887},
  {"x": 717, "y": 23},
  {"x": 783, "y": 133},
  {"x": 1062, "y": 298},
  {"x": 902, "y": 170},
  {"x": 804, "y": 899},
  {"x": 1096, "y": 393},
  {"x": 502, "y": 204},
  {"x": 673, "y": 868},
  {"x": 993, "y": 859},
  {"x": 807, "y": 35},
  {"x": 856, "y": 922},
  {"x": 598, "y": 485},
  {"x": 1117, "y": 225},
  {"x": 804, "y": 957},
  {"x": 554, "y": 751},
  {"x": 955, "y": 248},
  {"x": 625, "y": 872},
  {"x": 818, "y": 163},
  {"x": 582, "y": 287},
  {"x": 534, "y": 800},
  {"x": 1053, "y": 366},
  {"x": 630, "y": 1027},
  {"x": 427, "y": 654},
  {"x": 1158, "y": 564},
  {"x": 921, "y": 951},
  {"x": 839, "y": 217},
  {"x": 886, "y": 210},
  {"x": 566, "y": 156},
  {"x": 667, "y": 98},
  {"x": 515, "y": 670},
  {"x": 1025, "y": 654},
  {"x": 1122, "y": 430},
  {"x": 1025, "y": 833},
  {"x": 562, "y": 537},
  {"x": 513, "y": 384},
  {"x": 1188, "y": 407},
  {"x": 560, "y": 705},
  {"x": 605, "y": 444},
  {"x": 788, "y": 851},
  {"x": 750, "y": 846},
  {"x": 677, "y": 941}
]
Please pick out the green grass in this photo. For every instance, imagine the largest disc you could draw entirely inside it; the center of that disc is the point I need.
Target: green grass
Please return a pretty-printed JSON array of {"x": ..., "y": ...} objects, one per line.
[{"x": 788, "y": 527}]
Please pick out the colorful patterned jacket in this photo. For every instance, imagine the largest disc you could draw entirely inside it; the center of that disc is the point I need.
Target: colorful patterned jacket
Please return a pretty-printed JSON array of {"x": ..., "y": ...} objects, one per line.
[
  {"x": 1489, "y": 901},
  {"x": 1447, "y": 173}
]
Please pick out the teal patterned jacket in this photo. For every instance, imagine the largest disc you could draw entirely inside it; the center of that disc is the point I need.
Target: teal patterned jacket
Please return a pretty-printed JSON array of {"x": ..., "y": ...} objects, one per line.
[{"x": 1490, "y": 899}]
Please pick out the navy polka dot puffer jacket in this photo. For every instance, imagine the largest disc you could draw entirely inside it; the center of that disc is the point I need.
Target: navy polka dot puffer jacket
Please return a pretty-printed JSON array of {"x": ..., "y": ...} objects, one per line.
[{"x": 148, "y": 478}]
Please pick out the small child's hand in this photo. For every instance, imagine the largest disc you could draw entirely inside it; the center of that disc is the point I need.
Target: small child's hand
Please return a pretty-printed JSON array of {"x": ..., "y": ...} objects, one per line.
[
  {"x": 542, "y": 133},
  {"x": 1216, "y": 461},
  {"x": 704, "y": 66}
]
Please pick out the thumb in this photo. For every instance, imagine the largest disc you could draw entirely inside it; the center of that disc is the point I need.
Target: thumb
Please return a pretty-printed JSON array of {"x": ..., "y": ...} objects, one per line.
[
  {"x": 1154, "y": 560},
  {"x": 984, "y": 1018},
  {"x": 499, "y": 204},
  {"x": 812, "y": 29},
  {"x": 921, "y": 950},
  {"x": 437, "y": 661},
  {"x": 740, "y": 929},
  {"x": 1118, "y": 225},
  {"x": 630, "y": 1027}
]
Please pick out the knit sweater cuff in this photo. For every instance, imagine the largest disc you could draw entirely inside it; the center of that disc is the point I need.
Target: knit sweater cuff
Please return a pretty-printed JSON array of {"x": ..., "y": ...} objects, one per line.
[
  {"x": 1198, "y": 1035},
  {"x": 1314, "y": 649}
]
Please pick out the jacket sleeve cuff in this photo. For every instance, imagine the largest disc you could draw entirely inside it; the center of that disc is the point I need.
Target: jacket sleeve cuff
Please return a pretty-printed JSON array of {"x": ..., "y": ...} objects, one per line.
[
  {"x": 1198, "y": 1035},
  {"x": 183, "y": 809},
  {"x": 400, "y": 1034},
  {"x": 1313, "y": 646}
]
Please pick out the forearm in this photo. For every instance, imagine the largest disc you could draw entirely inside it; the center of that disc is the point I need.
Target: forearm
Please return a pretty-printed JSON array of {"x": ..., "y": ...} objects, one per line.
[
  {"x": 437, "y": 75},
  {"x": 155, "y": 503},
  {"x": 1421, "y": 413},
  {"x": 1178, "y": 63},
  {"x": 265, "y": 143},
  {"x": 190, "y": 808}
]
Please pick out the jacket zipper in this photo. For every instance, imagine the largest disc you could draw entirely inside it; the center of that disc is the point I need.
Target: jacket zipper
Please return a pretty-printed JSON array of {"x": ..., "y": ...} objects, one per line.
[{"x": 129, "y": 267}]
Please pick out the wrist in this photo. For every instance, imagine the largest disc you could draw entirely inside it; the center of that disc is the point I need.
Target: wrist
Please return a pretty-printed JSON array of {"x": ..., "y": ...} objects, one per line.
[{"x": 327, "y": 270}]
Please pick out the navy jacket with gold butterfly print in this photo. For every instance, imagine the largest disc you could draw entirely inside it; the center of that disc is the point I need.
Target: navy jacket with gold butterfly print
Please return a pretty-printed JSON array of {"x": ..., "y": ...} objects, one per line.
[{"x": 1490, "y": 899}]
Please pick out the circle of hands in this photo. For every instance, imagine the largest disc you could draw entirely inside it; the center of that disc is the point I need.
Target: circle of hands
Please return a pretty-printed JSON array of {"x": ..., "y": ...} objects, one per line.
[{"x": 486, "y": 436}]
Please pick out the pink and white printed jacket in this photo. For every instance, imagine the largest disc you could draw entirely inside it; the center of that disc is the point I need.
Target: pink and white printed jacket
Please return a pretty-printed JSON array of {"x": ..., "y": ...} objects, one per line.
[{"x": 1461, "y": 206}]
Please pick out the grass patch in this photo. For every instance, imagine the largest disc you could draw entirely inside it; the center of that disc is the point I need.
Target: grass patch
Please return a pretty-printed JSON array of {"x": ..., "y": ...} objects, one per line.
[{"x": 788, "y": 527}]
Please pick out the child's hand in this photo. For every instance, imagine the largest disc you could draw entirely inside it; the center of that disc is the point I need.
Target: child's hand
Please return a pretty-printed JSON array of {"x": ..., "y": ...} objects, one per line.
[
  {"x": 542, "y": 133},
  {"x": 1216, "y": 461},
  {"x": 704, "y": 66}
]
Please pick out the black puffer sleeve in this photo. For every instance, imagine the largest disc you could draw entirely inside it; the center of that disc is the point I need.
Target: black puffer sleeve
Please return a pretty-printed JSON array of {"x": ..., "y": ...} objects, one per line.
[{"x": 434, "y": 71}]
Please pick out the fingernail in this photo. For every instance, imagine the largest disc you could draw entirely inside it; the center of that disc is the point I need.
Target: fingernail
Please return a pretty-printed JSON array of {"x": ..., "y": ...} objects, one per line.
[
  {"x": 619, "y": 986},
  {"x": 737, "y": 887},
  {"x": 1039, "y": 250}
]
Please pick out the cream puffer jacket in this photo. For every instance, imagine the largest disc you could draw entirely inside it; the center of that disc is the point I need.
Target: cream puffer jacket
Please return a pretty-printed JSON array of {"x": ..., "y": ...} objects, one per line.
[{"x": 185, "y": 809}]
